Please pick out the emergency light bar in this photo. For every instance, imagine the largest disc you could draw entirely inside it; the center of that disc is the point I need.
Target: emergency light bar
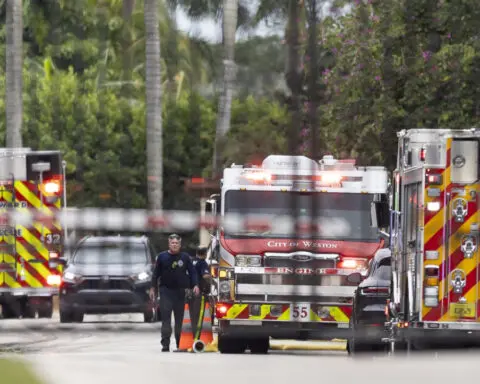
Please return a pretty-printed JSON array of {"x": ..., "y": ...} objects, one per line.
[{"x": 259, "y": 177}]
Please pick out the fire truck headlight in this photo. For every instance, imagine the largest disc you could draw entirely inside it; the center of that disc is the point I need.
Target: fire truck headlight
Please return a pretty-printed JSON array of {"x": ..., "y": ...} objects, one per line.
[
  {"x": 224, "y": 287},
  {"x": 248, "y": 261},
  {"x": 54, "y": 280}
]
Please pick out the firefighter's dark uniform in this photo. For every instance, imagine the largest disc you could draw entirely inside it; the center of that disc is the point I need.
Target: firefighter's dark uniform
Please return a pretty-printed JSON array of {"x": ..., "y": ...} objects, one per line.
[
  {"x": 202, "y": 268},
  {"x": 174, "y": 273}
]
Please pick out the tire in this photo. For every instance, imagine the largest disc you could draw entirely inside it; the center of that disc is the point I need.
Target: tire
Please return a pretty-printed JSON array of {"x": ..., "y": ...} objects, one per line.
[
  {"x": 46, "y": 309},
  {"x": 28, "y": 312},
  {"x": 259, "y": 346},
  {"x": 78, "y": 317},
  {"x": 66, "y": 317},
  {"x": 230, "y": 345},
  {"x": 8, "y": 312}
]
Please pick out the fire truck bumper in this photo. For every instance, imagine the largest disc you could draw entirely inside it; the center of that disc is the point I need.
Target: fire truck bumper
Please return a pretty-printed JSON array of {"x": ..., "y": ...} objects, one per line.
[
  {"x": 284, "y": 320},
  {"x": 283, "y": 329},
  {"x": 444, "y": 332},
  {"x": 29, "y": 292}
]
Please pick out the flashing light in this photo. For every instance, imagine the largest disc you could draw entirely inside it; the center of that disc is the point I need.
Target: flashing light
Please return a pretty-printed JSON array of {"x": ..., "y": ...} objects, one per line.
[
  {"x": 51, "y": 187},
  {"x": 258, "y": 177},
  {"x": 434, "y": 179},
  {"x": 331, "y": 178},
  {"x": 423, "y": 154},
  {"x": 349, "y": 263},
  {"x": 54, "y": 280},
  {"x": 221, "y": 310},
  {"x": 53, "y": 255}
]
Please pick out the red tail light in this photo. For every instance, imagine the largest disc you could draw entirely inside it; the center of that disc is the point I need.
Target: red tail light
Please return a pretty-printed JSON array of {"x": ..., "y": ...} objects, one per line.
[
  {"x": 221, "y": 310},
  {"x": 423, "y": 154},
  {"x": 375, "y": 291}
]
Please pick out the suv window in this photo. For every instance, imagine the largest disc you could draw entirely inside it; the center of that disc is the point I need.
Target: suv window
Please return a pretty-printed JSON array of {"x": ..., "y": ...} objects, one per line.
[
  {"x": 383, "y": 272},
  {"x": 111, "y": 253}
]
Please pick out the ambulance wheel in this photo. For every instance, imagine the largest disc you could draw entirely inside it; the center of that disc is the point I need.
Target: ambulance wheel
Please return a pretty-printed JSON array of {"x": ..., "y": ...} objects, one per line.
[
  {"x": 231, "y": 345},
  {"x": 259, "y": 346}
]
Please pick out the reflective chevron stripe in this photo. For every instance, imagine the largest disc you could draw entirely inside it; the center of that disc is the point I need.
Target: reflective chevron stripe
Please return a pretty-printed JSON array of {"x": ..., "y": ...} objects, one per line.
[
  {"x": 282, "y": 312},
  {"x": 27, "y": 253}
]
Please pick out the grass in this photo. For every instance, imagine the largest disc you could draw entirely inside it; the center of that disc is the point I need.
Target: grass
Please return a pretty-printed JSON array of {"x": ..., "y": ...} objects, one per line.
[{"x": 14, "y": 371}]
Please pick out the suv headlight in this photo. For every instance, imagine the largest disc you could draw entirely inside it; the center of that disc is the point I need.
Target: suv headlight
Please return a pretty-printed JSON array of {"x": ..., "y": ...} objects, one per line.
[
  {"x": 248, "y": 261},
  {"x": 71, "y": 277},
  {"x": 141, "y": 277}
]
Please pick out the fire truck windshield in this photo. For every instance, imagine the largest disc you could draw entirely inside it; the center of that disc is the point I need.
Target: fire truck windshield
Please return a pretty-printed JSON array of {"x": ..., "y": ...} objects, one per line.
[{"x": 340, "y": 215}]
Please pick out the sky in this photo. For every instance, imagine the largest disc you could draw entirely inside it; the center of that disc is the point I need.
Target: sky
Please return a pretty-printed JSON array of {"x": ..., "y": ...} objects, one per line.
[{"x": 211, "y": 31}]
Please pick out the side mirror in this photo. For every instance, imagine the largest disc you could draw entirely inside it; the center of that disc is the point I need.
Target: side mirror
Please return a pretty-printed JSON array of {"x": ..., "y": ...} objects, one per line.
[
  {"x": 354, "y": 278},
  {"x": 61, "y": 261}
]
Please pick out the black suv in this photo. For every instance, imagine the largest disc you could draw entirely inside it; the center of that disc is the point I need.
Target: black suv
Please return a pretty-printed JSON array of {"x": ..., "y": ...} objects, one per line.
[
  {"x": 105, "y": 275},
  {"x": 368, "y": 316}
]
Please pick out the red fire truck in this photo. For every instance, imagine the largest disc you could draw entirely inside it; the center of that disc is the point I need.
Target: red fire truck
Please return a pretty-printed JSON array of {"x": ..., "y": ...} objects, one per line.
[
  {"x": 294, "y": 240},
  {"x": 32, "y": 184}
]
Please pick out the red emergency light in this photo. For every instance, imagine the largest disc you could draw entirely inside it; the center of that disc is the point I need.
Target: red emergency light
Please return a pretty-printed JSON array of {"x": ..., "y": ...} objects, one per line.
[
  {"x": 52, "y": 187},
  {"x": 434, "y": 179},
  {"x": 423, "y": 154}
]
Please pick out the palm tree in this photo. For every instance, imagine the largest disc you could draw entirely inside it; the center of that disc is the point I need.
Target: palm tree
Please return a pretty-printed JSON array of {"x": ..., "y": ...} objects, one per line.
[
  {"x": 14, "y": 67},
  {"x": 230, "y": 9},
  {"x": 153, "y": 101}
]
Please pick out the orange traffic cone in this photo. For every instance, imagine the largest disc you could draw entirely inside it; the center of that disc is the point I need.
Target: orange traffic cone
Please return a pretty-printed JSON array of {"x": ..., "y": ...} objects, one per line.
[
  {"x": 186, "y": 337},
  {"x": 204, "y": 335}
]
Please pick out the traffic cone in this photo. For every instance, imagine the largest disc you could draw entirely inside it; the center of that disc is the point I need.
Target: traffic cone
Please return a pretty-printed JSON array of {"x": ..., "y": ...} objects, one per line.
[
  {"x": 186, "y": 337},
  {"x": 204, "y": 335}
]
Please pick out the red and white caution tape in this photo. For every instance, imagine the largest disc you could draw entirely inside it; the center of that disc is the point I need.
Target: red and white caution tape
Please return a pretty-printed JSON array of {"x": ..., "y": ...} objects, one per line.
[{"x": 138, "y": 220}]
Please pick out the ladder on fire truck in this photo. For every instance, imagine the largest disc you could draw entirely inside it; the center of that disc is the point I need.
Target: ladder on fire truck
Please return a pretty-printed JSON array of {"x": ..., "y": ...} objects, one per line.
[{"x": 8, "y": 247}]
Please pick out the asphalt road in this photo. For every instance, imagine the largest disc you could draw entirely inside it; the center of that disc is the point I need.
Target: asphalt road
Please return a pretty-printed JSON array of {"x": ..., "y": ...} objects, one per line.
[{"x": 122, "y": 349}]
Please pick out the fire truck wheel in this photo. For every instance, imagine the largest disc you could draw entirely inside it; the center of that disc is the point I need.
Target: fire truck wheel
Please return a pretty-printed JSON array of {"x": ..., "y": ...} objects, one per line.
[
  {"x": 28, "y": 312},
  {"x": 259, "y": 346},
  {"x": 8, "y": 312},
  {"x": 46, "y": 309},
  {"x": 231, "y": 345}
]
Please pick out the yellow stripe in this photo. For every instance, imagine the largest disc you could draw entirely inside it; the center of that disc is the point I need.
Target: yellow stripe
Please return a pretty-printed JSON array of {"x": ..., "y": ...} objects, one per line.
[
  {"x": 39, "y": 227},
  {"x": 264, "y": 312},
  {"x": 36, "y": 203},
  {"x": 235, "y": 310},
  {"x": 434, "y": 225},
  {"x": 25, "y": 255},
  {"x": 338, "y": 315}
]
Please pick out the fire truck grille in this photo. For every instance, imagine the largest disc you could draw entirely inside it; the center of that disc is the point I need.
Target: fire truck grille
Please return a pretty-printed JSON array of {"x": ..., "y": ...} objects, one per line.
[
  {"x": 299, "y": 281},
  {"x": 289, "y": 263}
]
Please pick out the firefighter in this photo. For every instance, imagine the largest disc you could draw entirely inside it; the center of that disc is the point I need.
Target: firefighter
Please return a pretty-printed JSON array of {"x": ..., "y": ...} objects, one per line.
[
  {"x": 174, "y": 273},
  {"x": 204, "y": 278}
]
